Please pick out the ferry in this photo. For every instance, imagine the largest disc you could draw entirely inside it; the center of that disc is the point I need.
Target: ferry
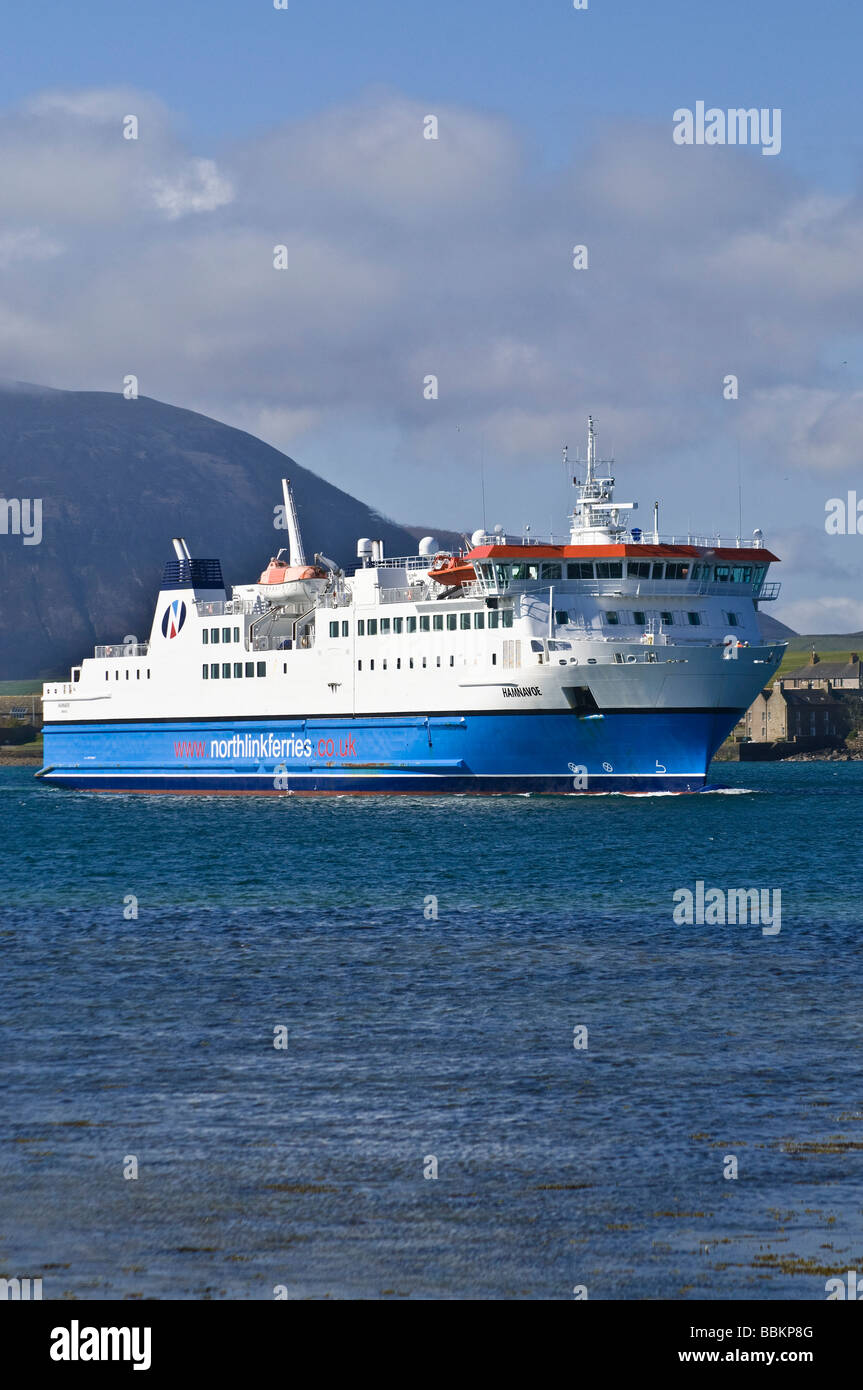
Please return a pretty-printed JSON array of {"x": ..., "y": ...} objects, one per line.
[{"x": 617, "y": 661}]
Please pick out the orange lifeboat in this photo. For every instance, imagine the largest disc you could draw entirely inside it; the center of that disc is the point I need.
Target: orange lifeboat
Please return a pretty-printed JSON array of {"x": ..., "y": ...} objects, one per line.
[{"x": 451, "y": 569}]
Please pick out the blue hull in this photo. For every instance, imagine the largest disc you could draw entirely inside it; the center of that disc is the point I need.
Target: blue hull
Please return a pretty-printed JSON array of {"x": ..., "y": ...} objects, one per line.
[{"x": 487, "y": 754}]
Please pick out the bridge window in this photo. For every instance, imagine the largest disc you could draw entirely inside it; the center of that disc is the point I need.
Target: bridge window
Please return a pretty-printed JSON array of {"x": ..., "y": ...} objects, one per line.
[
  {"x": 525, "y": 571},
  {"x": 677, "y": 571},
  {"x": 609, "y": 569},
  {"x": 638, "y": 569},
  {"x": 657, "y": 571},
  {"x": 551, "y": 571},
  {"x": 580, "y": 569},
  {"x": 721, "y": 573}
]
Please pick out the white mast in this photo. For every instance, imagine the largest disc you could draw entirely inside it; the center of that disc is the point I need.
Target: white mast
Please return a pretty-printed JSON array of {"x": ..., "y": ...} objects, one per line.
[{"x": 295, "y": 543}]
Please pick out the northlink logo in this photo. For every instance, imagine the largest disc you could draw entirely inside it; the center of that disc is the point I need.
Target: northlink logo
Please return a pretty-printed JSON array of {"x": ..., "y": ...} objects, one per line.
[{"x": 173, "y": 618}]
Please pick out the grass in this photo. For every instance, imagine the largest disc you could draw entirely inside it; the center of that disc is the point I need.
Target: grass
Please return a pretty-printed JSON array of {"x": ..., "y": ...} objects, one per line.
[{"x": 20, "y": 687}]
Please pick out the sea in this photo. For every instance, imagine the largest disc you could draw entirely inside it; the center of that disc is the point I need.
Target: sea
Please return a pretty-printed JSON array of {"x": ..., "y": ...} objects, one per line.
[{"x": 386, "y": 1048}]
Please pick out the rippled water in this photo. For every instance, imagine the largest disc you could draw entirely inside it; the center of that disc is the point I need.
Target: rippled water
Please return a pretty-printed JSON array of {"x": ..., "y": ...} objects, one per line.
[{"x": 411, "y": 1038}]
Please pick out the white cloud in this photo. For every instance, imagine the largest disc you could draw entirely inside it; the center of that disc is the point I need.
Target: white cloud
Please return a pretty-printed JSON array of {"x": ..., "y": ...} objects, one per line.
[
  {"x": 835, "y": 614},
  {"x": 198, "y": 188}
]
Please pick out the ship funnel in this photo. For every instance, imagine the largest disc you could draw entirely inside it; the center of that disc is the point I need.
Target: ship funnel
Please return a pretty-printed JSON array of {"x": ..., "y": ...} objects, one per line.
[
  {"x": 295, "y": 543},
  {"x": 181, "y": 550}
]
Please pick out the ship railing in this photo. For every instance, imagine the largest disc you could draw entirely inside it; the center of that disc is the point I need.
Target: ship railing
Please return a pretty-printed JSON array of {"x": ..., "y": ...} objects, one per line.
[
  {"x": 414, "y": 594},
  {"x": 616, "y": 588},
  {"x": 769, "y": 591},
  {"x": 220, "y": 608},
  {"x": 403, "y": 562},
  {"x": 124, "y": 649}
]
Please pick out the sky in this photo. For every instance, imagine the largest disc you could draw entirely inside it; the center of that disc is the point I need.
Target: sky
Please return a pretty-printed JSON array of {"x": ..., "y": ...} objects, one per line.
[{"x": 451, "y": 258}]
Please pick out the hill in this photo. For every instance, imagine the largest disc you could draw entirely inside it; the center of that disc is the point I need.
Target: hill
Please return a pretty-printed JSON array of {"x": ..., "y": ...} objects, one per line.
[{"x": 118, "y": 479}]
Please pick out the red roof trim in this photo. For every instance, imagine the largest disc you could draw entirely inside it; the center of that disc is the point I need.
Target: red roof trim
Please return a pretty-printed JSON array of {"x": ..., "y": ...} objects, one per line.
[{"x": 733, "y": 554}]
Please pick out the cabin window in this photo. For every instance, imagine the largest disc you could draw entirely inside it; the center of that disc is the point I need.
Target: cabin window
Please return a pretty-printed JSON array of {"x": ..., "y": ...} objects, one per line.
[
  {"x": 618, "y": 656},
  {"x": 551, "y": 571},
  {"x": 372, "y": 664},
  {"x": 127, "y": 673},
  {"x": 560, "y": 616},
  {"x": 612, "y": 618},
  {"x": 226, "y": 670},
  {"x": 609, "y": 569},
  {"x": 535, "y": 644},
  {"x": 250, "y": 668},
  {"x": 284, "y": 669},
  {"x": 464, "y": 620},
  {"x": 238, "y": 670},
  {"x": 425, "y": 663},
  {"x": 425, "y": 623},
  {"x": 451, "y": 622},
  {"x": 262, "y": 668},
  {"x": 438, "y": 622},
  {"x": 372, "y": 627},
  {"x": 214, "y": 635},
  {"x": 345, "y": 628},
  {"x": 148, "y": 673},
  {"x": 226, "y": 634},
  {"x": 733, "y": 619},
  {"x": 493, "y": 659},
  {"x": 384, "y": 664},
  {"x": 398, "y": 624},
  {"x": 214, "y": 671},
  {"x": 506, "y": 618},
  {"x": 668, "y": 619},
  {"x": 479, "y": 619},
  {"x": 205, "y": 636},
  {"x": 452, "y": 661},
  {"x": 639, "y": 618},
  {"x": 334, "y": 629},
  {"x": 385, "y": 626},
  {"x": 361, "y": 627},
  {"x": 694, "y": 619},
  {"x": 437, "y": 661},
  {"x": 359, "y": 665},
  {"x": 236, "y": 634},
  {"x": 205, "y": 671},
  {"x": 411, "y": 663},
  {"x": 398, "y": 663},
  {"x": 106, "y": 675},
  {"x": 412, "y": 624},
  {"x": 493, "y": 618},
  {"x": 638, "y": 569},
  {"x": 116, "y": 675},
  {"x": 137, "y": 675}
]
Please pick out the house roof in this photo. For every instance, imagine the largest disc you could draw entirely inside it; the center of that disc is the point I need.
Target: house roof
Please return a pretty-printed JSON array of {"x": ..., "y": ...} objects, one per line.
[
  {"x": 824, "y": 670},
  {"x": 808, "y": 697}
]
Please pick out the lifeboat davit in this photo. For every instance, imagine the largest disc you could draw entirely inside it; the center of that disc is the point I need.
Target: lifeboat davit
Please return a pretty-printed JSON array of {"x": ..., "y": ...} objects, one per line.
[
  {"x": 284, "y": 583},
  {"x": 451, "y": 569}
]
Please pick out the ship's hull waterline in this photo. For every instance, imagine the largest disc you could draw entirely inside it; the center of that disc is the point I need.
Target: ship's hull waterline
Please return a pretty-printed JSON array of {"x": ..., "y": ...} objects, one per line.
[{"x": 546, "y": 753}]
